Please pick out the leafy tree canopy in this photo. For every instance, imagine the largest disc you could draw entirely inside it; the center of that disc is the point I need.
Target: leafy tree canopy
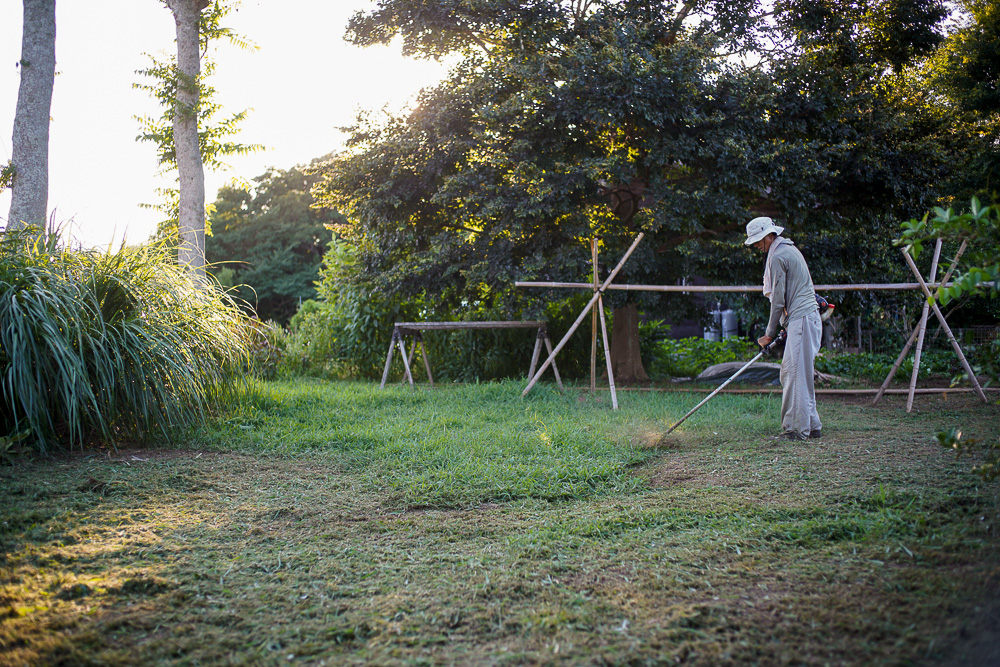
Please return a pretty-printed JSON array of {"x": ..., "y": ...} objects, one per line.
[
  {"x": 969, "y": 65},
  {"x": 269, "y": 242},
  {"x": 979, "y": 227},
  {"x": 963, "y": 80},
  {"x": 562, "y": 120}
]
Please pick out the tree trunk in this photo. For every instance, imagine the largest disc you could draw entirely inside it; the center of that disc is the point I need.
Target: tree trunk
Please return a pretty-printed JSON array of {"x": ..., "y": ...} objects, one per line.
[
  {"x": 626, "y": 361},
  {"x": 190, "y": 170},
  {"x": 30, "y": 150}
]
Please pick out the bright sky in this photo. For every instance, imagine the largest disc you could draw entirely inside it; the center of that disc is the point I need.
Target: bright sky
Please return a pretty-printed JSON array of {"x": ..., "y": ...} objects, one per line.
[{"x": 302, "y": 84}]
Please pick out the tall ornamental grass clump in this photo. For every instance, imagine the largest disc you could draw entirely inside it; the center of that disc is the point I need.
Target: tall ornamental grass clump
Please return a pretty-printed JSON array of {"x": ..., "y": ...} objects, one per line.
[{"x": 116, "y": 345}]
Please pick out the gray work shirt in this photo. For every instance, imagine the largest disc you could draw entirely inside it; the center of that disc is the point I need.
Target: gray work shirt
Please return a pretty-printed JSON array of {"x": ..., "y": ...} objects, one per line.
[{"x": 792, "y": 294}]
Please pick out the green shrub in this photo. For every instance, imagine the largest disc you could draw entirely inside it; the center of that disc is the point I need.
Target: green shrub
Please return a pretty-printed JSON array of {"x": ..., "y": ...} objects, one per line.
[
  {"x": 312, "y": 347},
  {"x": 110, "y": 345},
  {"x": 346, "y": 331},
  {"x": 876, "y": 366},
  {"x": 985, "y": 359},
  {"x": 687, "y": 357}
]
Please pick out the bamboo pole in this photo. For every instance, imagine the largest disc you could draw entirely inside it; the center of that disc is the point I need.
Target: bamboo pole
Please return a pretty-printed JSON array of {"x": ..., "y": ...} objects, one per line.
[
  {"x": 555, "y": 368},
  {"x": 947, "y": 276},
  {"x": 947, "y": 329},
  {"x": 593, "y": 323},
  {"x": 451, "y": 326},
  {"x": 607, "y": 353},
  {"x": 860, "y": 287},
  {"x": 586, "y": 309},
  {"x": 923, "y": 328},
  {"x": 427, "y": 361},
  {"x": 540, "y": 339},
  {"x": 913, "y": 335},
  {"x": 534, "y": 353},
  {"x": 895, "y": 366}
]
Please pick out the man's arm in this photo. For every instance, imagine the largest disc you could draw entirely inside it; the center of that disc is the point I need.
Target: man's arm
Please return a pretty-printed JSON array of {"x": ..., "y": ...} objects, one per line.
[{"x": 777, "y": 297}]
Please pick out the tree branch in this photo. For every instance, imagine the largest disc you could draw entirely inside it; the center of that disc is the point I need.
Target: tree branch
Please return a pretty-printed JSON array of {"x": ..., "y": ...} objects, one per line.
[
  {"x": 682, "y": 14},
  {"x": 461, "y": 228}
]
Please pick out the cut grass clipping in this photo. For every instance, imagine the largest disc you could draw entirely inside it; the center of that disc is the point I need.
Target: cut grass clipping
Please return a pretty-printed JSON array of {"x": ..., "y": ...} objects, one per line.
[{"x": 339, "y": 524}]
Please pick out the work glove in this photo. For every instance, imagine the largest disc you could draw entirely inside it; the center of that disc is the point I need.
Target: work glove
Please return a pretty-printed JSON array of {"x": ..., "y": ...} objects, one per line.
[{"x": 772, "y": 348}]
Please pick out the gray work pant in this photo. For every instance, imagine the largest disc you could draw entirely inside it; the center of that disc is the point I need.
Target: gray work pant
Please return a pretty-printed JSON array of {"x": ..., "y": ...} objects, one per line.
[{"x": 798, "y": 393}]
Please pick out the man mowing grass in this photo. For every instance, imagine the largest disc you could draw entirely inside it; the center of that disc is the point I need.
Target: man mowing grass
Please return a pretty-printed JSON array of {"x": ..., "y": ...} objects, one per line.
[{"x": 789, "y": 286}]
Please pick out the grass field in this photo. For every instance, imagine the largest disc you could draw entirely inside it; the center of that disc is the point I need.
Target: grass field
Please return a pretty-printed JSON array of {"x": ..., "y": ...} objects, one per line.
[{"x": 342, "y": 524}]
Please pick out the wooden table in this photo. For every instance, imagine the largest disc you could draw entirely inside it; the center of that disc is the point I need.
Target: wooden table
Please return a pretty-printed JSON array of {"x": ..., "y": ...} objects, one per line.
[{"x": 414, "y": 329}]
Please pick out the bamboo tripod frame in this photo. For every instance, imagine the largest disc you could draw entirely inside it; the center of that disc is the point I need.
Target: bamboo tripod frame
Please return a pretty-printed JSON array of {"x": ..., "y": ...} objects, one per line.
[
  {"x": 951, "y": 337},
  {"x": 598, "y": 300},
  {"x": 922, "y": 327},
  {"x": 918, "y": 333}
]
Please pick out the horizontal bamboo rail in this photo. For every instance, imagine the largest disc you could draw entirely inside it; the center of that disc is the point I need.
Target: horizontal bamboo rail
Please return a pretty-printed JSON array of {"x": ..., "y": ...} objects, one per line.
[
  {"x": 874, "y": 287},
  {"x": 828, "y": 392}
]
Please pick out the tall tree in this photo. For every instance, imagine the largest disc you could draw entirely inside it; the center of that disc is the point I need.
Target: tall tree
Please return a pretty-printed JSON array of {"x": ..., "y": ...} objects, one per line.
[
  {"x": 29, "y": 168},
  {"x": 187, "y": 137},
  {"x": 190, "y": 170},
  {"x": 565, "y": 120}
]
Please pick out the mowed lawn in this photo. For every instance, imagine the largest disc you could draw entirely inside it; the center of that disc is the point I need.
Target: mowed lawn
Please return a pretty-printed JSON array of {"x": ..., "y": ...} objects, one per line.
[{"x": 340, "y": 524}]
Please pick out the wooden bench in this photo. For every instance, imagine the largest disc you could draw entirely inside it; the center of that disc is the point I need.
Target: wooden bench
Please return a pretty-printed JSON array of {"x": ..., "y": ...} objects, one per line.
[{"x": 414, "y": 329}]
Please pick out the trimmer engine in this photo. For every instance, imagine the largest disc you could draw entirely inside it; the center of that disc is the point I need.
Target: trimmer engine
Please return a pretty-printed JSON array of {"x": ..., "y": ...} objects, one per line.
[{"x": 825, "y": 308}]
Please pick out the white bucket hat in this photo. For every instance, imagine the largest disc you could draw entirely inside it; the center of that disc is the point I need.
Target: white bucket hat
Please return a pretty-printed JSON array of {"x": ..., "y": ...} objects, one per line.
[{"x": 758, "y": 228}]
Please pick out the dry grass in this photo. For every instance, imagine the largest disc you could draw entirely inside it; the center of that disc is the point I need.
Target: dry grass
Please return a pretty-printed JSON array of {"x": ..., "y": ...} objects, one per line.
[{"x": 871, "y": 546}]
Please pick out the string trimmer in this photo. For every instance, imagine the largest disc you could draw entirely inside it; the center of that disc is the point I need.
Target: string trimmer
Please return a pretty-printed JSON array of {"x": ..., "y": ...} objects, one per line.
[{"x": 764, "y": 350}]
